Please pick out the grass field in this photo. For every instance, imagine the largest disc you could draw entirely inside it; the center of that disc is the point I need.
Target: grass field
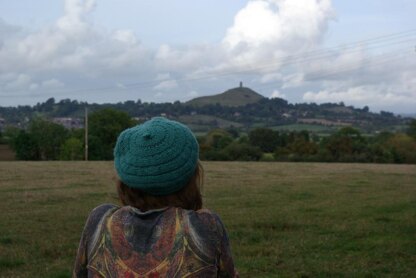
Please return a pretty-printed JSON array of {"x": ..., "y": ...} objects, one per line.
[{"x": 283, "y": 219}]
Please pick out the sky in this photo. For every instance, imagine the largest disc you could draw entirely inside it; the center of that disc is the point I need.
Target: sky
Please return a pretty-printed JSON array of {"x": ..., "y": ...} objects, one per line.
[{"x": 362, "y": 53}]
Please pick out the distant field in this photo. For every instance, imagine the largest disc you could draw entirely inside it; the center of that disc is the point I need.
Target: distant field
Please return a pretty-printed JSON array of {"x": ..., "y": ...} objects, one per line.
[
  {"x": 283, "y": 219},
  {"x": 309, "y": 127},
  {"x": 206, "y": 122}
]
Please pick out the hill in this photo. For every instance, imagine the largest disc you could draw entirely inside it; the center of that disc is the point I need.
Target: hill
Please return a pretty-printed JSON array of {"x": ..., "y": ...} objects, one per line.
[
  {"x": 239, "y": 107},
  {"x": 239, "y": 96}
]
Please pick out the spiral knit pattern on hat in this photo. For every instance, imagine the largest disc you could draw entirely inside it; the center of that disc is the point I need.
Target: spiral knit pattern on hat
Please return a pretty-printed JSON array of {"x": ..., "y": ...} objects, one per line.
[{"x": 159, "y": 156}]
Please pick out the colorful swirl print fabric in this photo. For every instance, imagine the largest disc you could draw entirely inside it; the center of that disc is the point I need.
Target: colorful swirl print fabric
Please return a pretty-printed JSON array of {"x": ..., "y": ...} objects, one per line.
[{"x": 170, "y": 242}]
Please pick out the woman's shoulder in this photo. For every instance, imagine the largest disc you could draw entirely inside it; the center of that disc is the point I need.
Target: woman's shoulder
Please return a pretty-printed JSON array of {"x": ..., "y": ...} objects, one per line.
[
  {"x": 210, "y": 214},
  {"x": 207, "y": 213},
  {"x": 207, "y": 218},
  {"x": 104, "y": 208},
  {"x": 97, "y": 214}
]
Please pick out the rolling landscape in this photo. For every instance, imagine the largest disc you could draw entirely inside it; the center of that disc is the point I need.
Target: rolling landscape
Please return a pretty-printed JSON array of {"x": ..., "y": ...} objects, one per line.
[
  {"x": 284, "y": 219},
  {"x": 238, "y": 124},
  {"x": 239, "y": 107}
]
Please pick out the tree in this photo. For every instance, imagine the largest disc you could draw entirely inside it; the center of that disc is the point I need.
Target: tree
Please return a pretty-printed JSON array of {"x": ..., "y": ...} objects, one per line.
[
  {"x": 213, "y": 143},
  {"x": 302, "y": 147},
  {"x": 72, "y": 149},
  {"x": 264, "y": 138},
  {"x": 242, "y": 151},
  {"x": 104, "y": 127},
  {"x": 347, "y": 144},
  {"x": 10, "y": 133},
  {"x": 48, "y": 137},
  {"x": 298, "y": 147},
  {"x": 411, "y": 130},
  {"x": 42, "y": 140},
  {"x": 403, "y": 148},
  {"x": 25, "y": 146},
  {"x": 233, "y": 131}
]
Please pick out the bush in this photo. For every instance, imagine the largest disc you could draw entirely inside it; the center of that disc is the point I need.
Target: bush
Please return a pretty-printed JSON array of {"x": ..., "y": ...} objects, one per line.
[
  {"x": 243, "y": 152},
  {"x": 264, "y": 138},
  {"x": 403, "y": 148},
  {"x": 72, "y": 149},
  {"x": 25, "y": 146}
]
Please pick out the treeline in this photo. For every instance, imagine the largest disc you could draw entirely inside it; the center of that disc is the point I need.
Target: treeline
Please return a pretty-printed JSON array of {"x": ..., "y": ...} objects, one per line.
[
  {"x": 345, "y": 145},
  {"x": 268, "y": 112},
  {"x": 45, "y": 140}
]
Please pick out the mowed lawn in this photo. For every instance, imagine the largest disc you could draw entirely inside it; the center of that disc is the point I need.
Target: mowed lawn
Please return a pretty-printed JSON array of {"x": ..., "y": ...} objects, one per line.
[{"x": 283, "y": 219}]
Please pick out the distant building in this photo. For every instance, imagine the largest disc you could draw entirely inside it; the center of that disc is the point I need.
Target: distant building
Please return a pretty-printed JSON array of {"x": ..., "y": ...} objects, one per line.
[
  {"x": 140, "y": 119},
  {"x": 69, "y": 122},
  {"x": 2, "y": 123}
]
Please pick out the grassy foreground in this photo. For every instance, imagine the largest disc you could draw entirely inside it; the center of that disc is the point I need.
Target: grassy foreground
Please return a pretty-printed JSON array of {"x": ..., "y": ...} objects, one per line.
[{"x": 283, "y": 219}]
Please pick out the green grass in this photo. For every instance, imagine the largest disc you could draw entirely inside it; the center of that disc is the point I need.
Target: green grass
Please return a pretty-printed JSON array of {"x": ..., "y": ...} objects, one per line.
[{"x": 283, "y": 219}]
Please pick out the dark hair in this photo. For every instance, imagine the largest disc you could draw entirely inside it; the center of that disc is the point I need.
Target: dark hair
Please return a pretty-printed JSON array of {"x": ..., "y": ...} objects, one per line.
[{"x": 189, "y": 197}]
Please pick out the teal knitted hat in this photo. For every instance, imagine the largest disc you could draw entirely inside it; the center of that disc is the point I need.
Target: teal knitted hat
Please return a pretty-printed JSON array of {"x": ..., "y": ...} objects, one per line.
[{"x": 159, "y": 156}]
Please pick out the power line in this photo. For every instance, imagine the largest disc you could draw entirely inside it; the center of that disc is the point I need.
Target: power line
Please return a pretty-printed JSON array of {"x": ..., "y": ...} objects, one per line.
[
  {"x": 373, "y": 43},
  {"x": 345, "y": 69}
]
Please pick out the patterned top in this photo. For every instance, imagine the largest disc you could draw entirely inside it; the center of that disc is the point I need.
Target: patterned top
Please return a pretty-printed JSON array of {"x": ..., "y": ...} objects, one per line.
[{"x": 169, "y": 242}]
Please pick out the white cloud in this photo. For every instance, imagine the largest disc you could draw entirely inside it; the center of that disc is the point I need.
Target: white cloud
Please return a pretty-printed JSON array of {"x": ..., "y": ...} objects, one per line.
[
  {"x": 377, "y": 97},
  {"x": 264, "y": 31},
  {"x": 72, "y": 48},
  {"x": 188, "y": 59},
  {"x": 193, "y": 94},
  {"x": 52, "y": 84},
  {"x": 162, "y": 76},
  {"x": 33, "y": 86},
  {"x": 279, "y": 21},
  {"x": 74, "y": 20},
  {"x": 271, "y": 77},
  {"x": 254, "y": 25},
  {"x": 263, "y": 36},
  {"x": 20, "y": 82},
  {"x": 6, "y": 31},
  {"x": 293, "y": 80},
  {"x": 159, "y": 95},
  {"x": 383, "y": 82},
  {"x": 277, "y": 94},
  {"x": 125, "y": 36},
  {"x": 269, "y": 41},
  {"x": 49, "y": 47},
  {"x": 166, "y": 85},
  {"x": 120, "y": 85}
]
